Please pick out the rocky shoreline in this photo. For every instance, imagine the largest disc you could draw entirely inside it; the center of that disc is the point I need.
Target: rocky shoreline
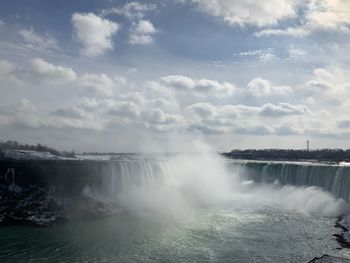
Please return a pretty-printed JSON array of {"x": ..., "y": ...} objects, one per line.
[
  {"x": 329, "y": 259},
  {"x": 42, "y": 191},
  {"x": 37, "y": 207},
  {"x": 343, "y": 238}
]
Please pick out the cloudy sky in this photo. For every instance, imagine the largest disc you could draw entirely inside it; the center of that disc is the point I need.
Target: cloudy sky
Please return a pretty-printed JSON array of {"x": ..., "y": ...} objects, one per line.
[{"x": 110, "y": 75}]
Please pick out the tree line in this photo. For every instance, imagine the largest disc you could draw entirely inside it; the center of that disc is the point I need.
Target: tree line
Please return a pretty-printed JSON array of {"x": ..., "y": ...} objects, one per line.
[{"x": 335, "y": 155}]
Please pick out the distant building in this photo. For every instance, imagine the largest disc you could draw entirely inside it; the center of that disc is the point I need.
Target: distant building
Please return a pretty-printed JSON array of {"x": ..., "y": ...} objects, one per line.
[{"x": 308, "y": 145}]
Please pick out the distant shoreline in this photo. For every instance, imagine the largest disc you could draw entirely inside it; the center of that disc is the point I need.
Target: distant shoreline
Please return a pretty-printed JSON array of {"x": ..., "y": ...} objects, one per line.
[
  {"x": 317, "y": 155},
  {"x": 321, "y": 155}
]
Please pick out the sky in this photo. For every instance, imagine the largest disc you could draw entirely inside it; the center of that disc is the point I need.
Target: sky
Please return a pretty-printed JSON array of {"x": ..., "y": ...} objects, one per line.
[{"x": 125, "y": 76}]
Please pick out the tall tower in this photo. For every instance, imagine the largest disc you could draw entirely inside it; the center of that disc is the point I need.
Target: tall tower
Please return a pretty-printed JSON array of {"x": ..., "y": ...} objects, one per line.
[{"x": 308, "y": 145}]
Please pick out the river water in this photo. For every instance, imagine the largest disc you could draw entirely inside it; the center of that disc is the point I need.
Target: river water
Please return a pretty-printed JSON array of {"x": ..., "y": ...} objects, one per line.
[{"x": 242, "y": 234}]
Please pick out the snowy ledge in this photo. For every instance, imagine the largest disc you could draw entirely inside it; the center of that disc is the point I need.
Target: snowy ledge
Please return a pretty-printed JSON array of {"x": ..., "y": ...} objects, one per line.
[{"x": 30, "y": 155}]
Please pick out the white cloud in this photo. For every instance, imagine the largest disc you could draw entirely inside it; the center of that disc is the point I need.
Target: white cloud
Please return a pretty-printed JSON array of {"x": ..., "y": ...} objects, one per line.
[
  {"x": 249, "y": 12},
  {"x": 208, "y": 118},
  {"x": 264, "y": 55},
  {"x": 295, "y": 53},
  {"x": 131, "y": 10},
  {"x": 142, "y": 33},
  {"x": 2, "y": 23},
  {"x": 71, "y": 123},
  {"x": 316, "y": 15},
  {"x": 251, "y": 128},
  {"x": 329, "y": 80},
  {"x": 329, "y": 86},
  {"x": 328, "y": 14},
  {"x": 167, "y": 105},
  {"x": 97, "y": 85},
  {"x": 102, "y": 104},
  {"x": 323, "y": 79},
  {"x": 158, "y": 116},
  {"x": 6, "y": 68},
  {"x": 319, "y": 15},
  {"x": 202, "y": 87},
  {"x": 286, "y": 129},
  {"x": 259, "y": 87},
  {"x": 34, "y": 40},
  {"x": 267, "y": 57},
  {"x": 26, "y": 106},
  {"x": 145, "y": 27},
  {"x": 114, "y": 114},
  {"x": 94, "y": 33},
  {"x": 50, "y": 72},
  {"x": 141, "y": 39},
  {"x": 209, "y": 111},
  {"x": 203, "y": 110},
  {"x": 178, "y": 82},
  {"x": 290, "y": 31},
  {"x": 125, "y": 109},
  {"x": 23, "y": 113},
  {"x": 240, "y": 119},
  {"x": 9, "y": 79},
  {"x": 282, "y": 109}
]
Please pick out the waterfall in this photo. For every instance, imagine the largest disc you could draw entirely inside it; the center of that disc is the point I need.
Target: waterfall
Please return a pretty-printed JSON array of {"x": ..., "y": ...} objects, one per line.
[
  {"x": 115, "y": 176},
  {"x": 332, "y": 178},
  {"x": 121, "y": 175}
]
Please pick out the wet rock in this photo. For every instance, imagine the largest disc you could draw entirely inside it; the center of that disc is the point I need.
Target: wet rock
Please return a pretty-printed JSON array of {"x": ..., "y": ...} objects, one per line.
[
  {"x": 30, "y": 206},
  {"x": 37, "y": 189},
  {"x": 35, "y": 206},
  {"x": 329, "y": 259},
  {"x": 344, "y": 237}
]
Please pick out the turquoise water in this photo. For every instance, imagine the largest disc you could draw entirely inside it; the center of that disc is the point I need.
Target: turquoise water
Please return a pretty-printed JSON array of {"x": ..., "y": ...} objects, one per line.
[{"x": 245, "y": 234}]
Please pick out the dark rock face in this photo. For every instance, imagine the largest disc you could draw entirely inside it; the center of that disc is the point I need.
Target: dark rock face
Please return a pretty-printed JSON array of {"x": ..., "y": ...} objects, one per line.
[
  {"x": 342, "y": 237},
  {"x": 46, "y": 192},
  {"x": 31, "y": 205},
  {"x": 329, "y": 259},
  {"x": 61, "y": 177}
]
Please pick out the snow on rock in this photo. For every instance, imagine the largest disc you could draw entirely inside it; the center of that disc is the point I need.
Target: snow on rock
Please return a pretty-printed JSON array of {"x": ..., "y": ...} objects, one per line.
[{"x": 30, "y": 155}]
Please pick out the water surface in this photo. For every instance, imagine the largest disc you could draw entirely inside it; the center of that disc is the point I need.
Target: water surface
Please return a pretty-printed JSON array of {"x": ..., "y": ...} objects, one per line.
[{"x": 244, "y": 234}]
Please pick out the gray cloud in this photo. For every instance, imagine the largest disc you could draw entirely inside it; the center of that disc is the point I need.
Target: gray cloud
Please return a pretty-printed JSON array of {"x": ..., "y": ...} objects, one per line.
[
  {"x": 259, "y": 87},
  {"x": 202, "y": 87},
  {"x": 252, "y": 130},
  {"x": 7, "y": 68},
  {"x": 43, "y": 70},
  {"x": 69, "y": 112},
  {"x": 286, "y": 130},
  {"x": 282, "y": 109},
  {"x": 34, "y": 40},
  {"x": 344, "y": 124}
]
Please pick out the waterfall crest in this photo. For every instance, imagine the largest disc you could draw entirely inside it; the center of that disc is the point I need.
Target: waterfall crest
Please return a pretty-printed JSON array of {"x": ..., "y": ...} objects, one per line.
[{"x": 332, "y": 178}]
